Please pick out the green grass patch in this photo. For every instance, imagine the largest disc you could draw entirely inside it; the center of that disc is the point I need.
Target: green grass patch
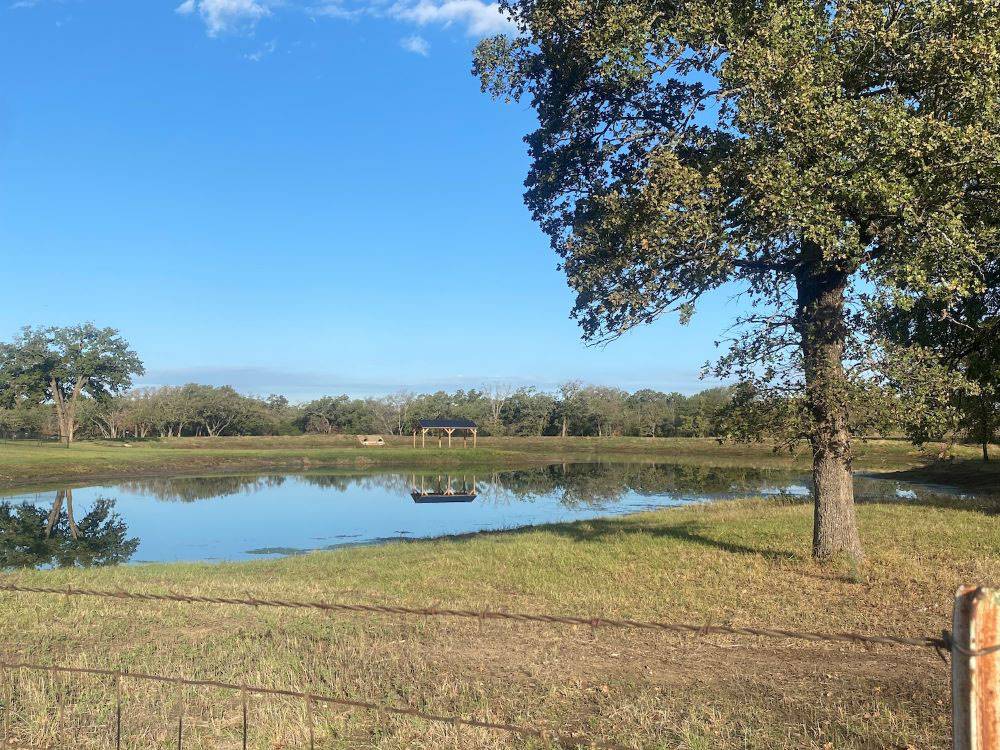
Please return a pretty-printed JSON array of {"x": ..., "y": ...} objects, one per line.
[{"x": 744, "y": 563}]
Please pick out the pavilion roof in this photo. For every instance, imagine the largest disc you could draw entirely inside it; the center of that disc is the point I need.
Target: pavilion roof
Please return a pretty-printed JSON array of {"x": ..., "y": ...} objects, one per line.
[{"x": 448, "y": 424}]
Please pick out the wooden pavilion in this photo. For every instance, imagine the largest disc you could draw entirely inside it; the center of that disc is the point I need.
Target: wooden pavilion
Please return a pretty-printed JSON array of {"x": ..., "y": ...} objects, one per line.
[{"x": 446, "y": 427}]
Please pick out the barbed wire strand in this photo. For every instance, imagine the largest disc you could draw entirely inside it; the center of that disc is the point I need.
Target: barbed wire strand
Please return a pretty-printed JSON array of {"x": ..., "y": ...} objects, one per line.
[
  {"x": 943, "y": 642},
  {"x": 563, "y": 740}
]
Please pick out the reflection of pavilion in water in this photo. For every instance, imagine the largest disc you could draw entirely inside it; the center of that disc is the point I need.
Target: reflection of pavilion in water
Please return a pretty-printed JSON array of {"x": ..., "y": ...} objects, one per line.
[{"x": 443, "y": 489}]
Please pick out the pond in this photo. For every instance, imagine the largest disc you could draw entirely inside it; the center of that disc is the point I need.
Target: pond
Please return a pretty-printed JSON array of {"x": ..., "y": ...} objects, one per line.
[{"x": 243, "y": 517}]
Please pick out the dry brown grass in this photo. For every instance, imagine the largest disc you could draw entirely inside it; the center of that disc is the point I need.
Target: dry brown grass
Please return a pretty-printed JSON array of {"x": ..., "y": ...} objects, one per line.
[{"x": 731, "y": 562}]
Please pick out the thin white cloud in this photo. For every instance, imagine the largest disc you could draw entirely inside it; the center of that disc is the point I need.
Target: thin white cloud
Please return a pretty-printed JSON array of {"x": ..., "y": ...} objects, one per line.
[
  {"x": 334, "y": 9},
  {"x": 479, "y": 18},
  {"x": 225, "y": 16},
  {"x": 416, "y": 44},
  {"x": 260, "y": 54}
]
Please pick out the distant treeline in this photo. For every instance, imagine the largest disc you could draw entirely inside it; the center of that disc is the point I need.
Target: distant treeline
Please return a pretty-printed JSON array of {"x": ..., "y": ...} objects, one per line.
[{"x": 203, "y": 410}]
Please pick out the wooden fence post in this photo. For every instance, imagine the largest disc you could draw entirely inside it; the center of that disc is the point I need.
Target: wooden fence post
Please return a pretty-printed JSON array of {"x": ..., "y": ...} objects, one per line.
[{"x": 975, "y": 679}]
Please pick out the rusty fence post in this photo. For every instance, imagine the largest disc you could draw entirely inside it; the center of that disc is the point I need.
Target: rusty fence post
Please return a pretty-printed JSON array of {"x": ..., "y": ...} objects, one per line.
[{"x": 975, "y": 678}]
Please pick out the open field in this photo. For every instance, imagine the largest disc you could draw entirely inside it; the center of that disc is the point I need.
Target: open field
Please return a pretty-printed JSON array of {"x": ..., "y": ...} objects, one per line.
[
  {"x": 24, "y": 463},
  {"x": 737, "y": 562},
  {"x": 742, "y": 563}
]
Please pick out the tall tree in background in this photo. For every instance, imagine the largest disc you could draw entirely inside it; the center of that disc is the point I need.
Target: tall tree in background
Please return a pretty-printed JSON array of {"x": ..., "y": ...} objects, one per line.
[
  {"x": 939, "y": 344},
  {"x": 570, "y": 405},
  {"x": 794, "y": 148},
  {"x": 63, "y": 364}
]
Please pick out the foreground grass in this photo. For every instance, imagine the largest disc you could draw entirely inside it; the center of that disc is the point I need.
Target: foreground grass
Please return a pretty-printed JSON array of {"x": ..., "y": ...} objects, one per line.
[
  {"x": 741, "y": 562},
  {"x": 27, "y": 463}
]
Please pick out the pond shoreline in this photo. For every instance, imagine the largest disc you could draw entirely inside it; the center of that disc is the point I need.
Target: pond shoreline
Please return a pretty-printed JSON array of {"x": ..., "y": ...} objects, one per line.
[
  {"x": 246, "y": 515},
  {"x": 29, "y": 466}
]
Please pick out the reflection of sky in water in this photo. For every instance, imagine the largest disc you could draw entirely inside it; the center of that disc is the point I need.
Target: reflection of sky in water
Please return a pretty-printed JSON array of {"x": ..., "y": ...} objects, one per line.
[{"x": 234, "y": 518}]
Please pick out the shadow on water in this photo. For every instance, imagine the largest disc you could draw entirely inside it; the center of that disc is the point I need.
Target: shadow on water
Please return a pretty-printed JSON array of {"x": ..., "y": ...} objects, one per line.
[
  {"x": 876, "y": 489},
  {"x": 32, "y": 536}
]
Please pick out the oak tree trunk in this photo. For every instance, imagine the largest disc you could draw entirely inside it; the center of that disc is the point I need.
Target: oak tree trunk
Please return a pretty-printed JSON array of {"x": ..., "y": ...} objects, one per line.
[
  {"x": 66, "y": 408},
  {"x": 60, "y": 407},
  {"x": 987, "y": 419},
  {"x": 821, "y": 324}
]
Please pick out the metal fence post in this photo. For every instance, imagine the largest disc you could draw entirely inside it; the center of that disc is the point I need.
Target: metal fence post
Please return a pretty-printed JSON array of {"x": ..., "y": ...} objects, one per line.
[{"x": 975, "y": 678}]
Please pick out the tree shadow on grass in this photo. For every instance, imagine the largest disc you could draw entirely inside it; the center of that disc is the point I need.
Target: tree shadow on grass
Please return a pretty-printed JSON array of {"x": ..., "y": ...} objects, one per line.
[{"x": 689, "y": 532}]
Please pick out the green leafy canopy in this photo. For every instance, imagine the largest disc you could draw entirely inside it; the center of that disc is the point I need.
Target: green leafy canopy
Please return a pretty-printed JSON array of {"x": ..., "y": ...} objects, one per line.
[{"x": 684, "y": 144}]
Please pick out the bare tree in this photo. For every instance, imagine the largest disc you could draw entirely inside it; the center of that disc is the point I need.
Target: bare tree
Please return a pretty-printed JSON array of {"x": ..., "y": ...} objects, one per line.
[
  {"x": 391, "y": 412},
  {"x": 498, "y": 394}
]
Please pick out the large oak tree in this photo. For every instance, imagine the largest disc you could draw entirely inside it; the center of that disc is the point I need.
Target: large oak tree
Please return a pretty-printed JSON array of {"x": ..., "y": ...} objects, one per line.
[
  {"x": 64, "y": 364},
  {"x": 807, "y": 151}
]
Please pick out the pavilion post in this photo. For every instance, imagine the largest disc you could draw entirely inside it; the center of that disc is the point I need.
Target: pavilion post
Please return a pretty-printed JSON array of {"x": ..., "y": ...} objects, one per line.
[
  {"x": 449, "y": 431},
  {"x": 475, "y": 433},
  {"x": 423, "y": 437}
]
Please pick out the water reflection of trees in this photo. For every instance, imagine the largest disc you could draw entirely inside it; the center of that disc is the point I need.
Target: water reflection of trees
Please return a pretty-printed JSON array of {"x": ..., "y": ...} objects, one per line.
[
  {"x": 572, "y": 484},
  {"x": 575, "y": 484},
  {"x": 392, "y": 483},
  {"x": 33, "y": 536},
  {"x": 189, "y": 489},
  {"x": 601, "y": 483}
]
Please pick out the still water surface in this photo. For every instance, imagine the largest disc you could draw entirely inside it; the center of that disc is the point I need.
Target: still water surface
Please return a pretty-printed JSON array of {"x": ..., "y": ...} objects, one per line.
[{"x": 242, "y": 517}]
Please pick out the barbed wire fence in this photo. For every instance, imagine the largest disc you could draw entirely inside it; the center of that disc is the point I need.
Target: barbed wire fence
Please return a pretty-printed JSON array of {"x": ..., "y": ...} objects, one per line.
[
  {"x": 975, "y": 635},
  {"x": 942, "y": 642}
]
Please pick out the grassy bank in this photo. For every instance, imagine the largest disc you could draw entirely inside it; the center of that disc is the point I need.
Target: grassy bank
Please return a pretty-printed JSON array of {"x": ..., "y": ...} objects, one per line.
[
  {"x": 738, "y": 562},
  {"x": 28, "y": 463}
]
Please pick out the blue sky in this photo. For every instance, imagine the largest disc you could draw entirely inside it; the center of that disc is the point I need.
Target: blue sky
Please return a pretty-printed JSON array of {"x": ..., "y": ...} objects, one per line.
[{"x": 290, "y": 196}]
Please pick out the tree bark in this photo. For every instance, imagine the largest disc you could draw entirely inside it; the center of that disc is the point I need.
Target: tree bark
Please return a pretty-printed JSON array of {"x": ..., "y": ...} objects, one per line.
[
  {"x": 66, "y": 410},
  {"x": 822, "y": 327},
  {"x": 986, "y": 420},
  {"x": 60, "y": 410}
]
